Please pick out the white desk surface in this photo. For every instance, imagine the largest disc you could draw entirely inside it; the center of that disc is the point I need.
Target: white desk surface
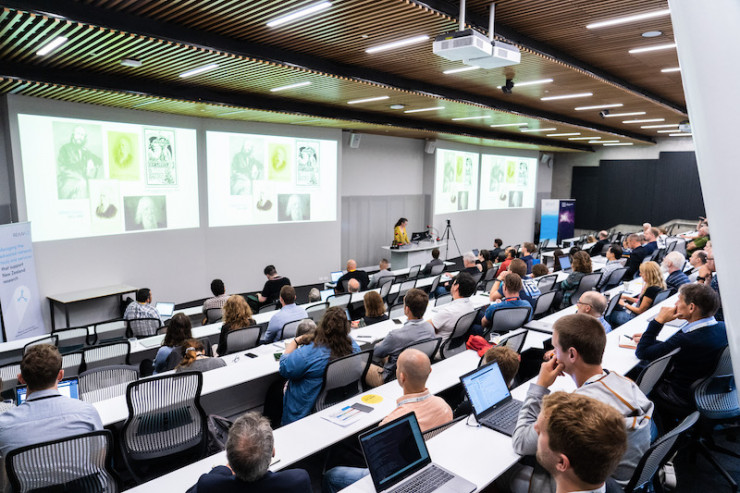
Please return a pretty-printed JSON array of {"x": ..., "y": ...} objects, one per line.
[
  {"x": 424, "y": 245},
  {"x": 92, "y": 293}
]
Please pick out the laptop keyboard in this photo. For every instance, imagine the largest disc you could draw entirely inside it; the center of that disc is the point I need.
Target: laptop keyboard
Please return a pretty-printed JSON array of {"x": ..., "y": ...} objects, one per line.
[
  {"x": 428, "y": 481},
  {"x": 504, "y": 418}
]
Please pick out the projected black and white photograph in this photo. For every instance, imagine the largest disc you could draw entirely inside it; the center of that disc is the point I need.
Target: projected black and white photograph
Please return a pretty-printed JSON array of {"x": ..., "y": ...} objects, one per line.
[
  {"x": 515, "y": 198},
  {"x": 468, "y": 178},
  {"x": 145, "y": 212},
  {"x": 294, "y": 207},
  {"x": 160, "y": 157},
  {"x": 106, "y": 215},
  {"x": 522, "y": 177},
  {"x": 264, "y": 202},
  {"x": 247, "y": 164},
  {"x": 495, "y": 178},
  {"x": 307, "y": 164},
  {"x": 123, "y": 156},
  {"x": 462, "y": 201},
  {"x": 279, "y": 167},
  {"x": 79, "y": 151},
  {"x": 449, "y": 176}
]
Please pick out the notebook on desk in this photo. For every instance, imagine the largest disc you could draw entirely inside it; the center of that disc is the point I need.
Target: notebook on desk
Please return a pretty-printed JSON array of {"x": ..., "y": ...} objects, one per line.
[
  {"x": 399, "y": 461},
  {"x": 491, "y": 400},
  {"x": 68, "y": 387}
]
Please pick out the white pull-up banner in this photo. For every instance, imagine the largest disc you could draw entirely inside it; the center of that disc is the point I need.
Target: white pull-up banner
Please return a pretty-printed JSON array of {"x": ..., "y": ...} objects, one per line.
[{"x": 19, "y": 291}]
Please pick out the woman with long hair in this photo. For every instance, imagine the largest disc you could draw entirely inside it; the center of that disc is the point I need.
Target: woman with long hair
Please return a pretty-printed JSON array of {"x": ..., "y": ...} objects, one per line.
[
  {"x": 305, "y": 359},
  {"x": 374, "y": 309},
  {"x": 178, "y": 331},
  {"x": 630, "y": 307},
  {"x": 195, "y": 358},
  {"x": 237, "y": 314},
  {"x": 484, "y": 261},
  {"x": 581, "y": 266},
  {"x": 399, "y": 232}
]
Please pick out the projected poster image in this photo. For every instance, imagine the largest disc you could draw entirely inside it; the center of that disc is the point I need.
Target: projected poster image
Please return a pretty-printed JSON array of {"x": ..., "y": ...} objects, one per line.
[
  {"x": 507, "y": 182},
  {"x": 280, "y": 163},
  {"x": 103, "y": 178},
  {"x": 456, "y": 181},
  {"x": 307, "y": 164},
  {"x": 247, "y": 164}
]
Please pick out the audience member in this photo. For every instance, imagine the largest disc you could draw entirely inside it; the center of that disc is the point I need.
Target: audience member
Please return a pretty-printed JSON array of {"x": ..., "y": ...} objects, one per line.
[
  {"x": 593, "y": 303},
  {"x": 271, "y": 289},
  {"x": 249, "y": 451},
  {"x": 484, "y": 261},
  {"x": 528, "y": 249},
  {"x": 581, "y": 266},
  {"x": 579, "y": 342},
  {"x": 700, "y": 241},
  {"x": 374, "y": 309},
  {"x": 170, "y": 353},
  {"x": 600, "y": 245},
  {"x": 237, "y": 315},
  {"x": 700, "y": 339},
  {"x": 353, "y": 273},
  {"x": 539, "y": 270},
  {"x": 142, "y": 309},
  {"x": 512, "y": 286},
  {"x": 580, "y": 442},
  {"x": 629, "y": 307},
  {"x": 556, "y": 260},
  {"x": 673, "y": 264},
  {"x": 353, "y": 286},
  {"x": 290, "y": 312},
  {"x": 383, "y": 272},
  {"x": 46, "y": 414},
  {"x": 637, "y": 254},
  {"x": 469, "y": 267},
  {"x": 510, "y": 255},
  {"x": 446, "y": 316},
  {"x": 529, "y": 292},
  {"x": 646, "y": 227},
  {"x": 219, "y": 292},
  {"x": 304, "y": 361},
  {"x": 613, "y": 262},
  {"x": 435, "y": 261},
  {"x": 414, "y": 330},
  {"x": 195, "y": 358},
  {"x": 697, "y": 260},
  {"x": 314, "y": 295},
  {"x": 508, "y": 361},
  {"x": 497, "y": 250},
  {"x": 306, "y": 328}
]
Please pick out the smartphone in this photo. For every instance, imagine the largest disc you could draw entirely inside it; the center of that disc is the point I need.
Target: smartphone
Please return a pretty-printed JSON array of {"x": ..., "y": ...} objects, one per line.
[
  {"x": 397, "y": 321},
  {"x": 251, "y": 355}
]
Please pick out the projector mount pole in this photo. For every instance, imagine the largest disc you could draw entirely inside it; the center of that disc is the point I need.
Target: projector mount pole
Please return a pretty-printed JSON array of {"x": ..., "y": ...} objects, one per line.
[
  {"x": 446, "y": 236},
  {"x": 490, "y": 21},
  {"x": 462, "y": 15}
]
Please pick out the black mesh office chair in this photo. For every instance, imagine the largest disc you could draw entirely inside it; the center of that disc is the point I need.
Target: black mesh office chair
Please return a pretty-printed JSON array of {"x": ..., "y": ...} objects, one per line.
[{"x": 343, "y": 378}]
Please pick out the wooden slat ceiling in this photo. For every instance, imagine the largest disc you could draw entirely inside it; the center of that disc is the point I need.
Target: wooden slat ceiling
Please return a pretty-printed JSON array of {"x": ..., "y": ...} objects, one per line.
[{"x": 340, "y": 35}]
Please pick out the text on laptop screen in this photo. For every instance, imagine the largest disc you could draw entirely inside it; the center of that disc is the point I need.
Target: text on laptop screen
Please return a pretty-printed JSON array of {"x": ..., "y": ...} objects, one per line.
[
  {"x": 395, "y": 449},
  {"x": 486, "y": 387},
  {"x": 564, "y": 262},
  {"x": 67, "y": 387},
  {"x": 336, "y": 275}
]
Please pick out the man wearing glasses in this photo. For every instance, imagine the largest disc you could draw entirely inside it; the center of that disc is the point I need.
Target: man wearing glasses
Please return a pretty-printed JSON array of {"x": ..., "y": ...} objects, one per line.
[{"x": 594, "y": 304}]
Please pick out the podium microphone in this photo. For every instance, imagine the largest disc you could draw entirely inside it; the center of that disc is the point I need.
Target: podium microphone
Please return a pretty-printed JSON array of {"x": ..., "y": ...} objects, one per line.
[{"x": 435, "y": 230}]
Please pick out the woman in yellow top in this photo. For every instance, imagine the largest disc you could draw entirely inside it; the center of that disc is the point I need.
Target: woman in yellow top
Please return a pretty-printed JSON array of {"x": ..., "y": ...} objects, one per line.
[{"x": 399, "y": 232}]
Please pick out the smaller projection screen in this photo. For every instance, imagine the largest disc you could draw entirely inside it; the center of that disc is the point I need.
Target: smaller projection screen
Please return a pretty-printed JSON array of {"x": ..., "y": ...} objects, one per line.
[
  {"x": 456, "y": 181},
  {"x": 507, "y": 182},
  {"x": 87, "y": 178},
  {"x": 264, "y": 179}
]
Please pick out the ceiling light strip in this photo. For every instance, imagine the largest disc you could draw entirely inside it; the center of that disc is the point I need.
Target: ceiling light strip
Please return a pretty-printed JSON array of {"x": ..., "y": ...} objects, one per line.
[
  {"x": 667, "y": 125},
  {"x": 52, "y": 45},
  {"x": 462, "y": 69},
  {"x": 481, "y": 117},
  {"x": 645, "y": 120},
  {"x": 630, "y": 113},
  {"x": 670, "y": 69},
  {"x": 496, "y": 125},
  {"x": 537, "y": 129},
  {"x": 618, "y": 144},
  {"x": 368, "y": 100},
  {"x": 199, "y": 70},
  {"x": 532, "y": 82},
  {"x": 398, "y": 44},
  {"x": 420, "y": 110},
  {"x": 628, "y": 19},
  {"x": 564, "y": 135},
  {"x": 298, "y": 14},
  {"x": 599, "y": 106},
  {"x": 290, "y": 86},
  {"x": 653, "y": 48},
  {"x": 567, "y": 96}
]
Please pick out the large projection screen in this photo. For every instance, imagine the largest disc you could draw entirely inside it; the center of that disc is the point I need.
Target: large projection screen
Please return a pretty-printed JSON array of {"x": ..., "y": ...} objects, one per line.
[
  {"x": 264, "y": 179},
  {"x": 507, "y": 182},
  {"x": 86, "y": 178},
  {"x": 456, "y": 181}
]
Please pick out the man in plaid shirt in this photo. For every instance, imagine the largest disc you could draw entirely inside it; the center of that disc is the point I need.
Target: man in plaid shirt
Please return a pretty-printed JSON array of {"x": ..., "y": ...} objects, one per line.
[{"x": 142, "y": 308}]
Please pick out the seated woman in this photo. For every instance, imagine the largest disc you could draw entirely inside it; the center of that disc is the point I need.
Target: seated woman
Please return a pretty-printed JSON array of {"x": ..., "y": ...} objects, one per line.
[
  {"x": 581, "y": 266},
  {"x": 484, "y": 261},
  {"x": 303, "y": 362},
  {"x": 236, "y": 315},
  {"x": 195, "y": 358},
  {"x": 539, "y": 270},
  {"x": 629, "y": 307},
  {"x": 556, "y": 255},
  {"x": 374, "y": 309},
  {"x": 170, "y": 353}
]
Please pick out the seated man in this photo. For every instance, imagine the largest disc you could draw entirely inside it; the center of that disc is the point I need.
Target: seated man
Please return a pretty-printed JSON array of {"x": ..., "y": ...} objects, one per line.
[
  {"x": 700, "y": 339},
  {"x": 699, "y": 242},
  {"x": 353, "y": 286},
  {"x": 510, "y": 256},
  {"x": 142, "y": 308},
  {"x": 528, "y": 249},
  {"x": 446, "y": 316},
  {"x": 435, "y": 261},
  {"x": 289, "y": 312},
  {"x": 46, "y": 415},
  {"x": 218, "y": 301},
  {"x": 249, "y": 450},
  {"x": 431, "y": 411},
  {"x": 602, "y": 242},
  {"x": 637, "y": 255},
  {"x": 529, "y": 292},
  {"x": 512, "y": 286},
  {"x": 353, "y": 273},
  {"x": 470, "y": 267},
  {"x": 697, "y": 260},
  {"x": 673, "y": 263},
  {"x": 271, "y": 289},
  {"x": 497, "y": 250},
  {"x": 593, "y": 303},
  {"x": 580, "y": 441},
  {"x": 579, "y": 342},
  {"x": 613, "y": 262},
  {"x": 415, "y": 329},
  {"x": 357, "y": 309},
  {"x": 383, "y": 272},
  {"x": 508, "y": 362}
]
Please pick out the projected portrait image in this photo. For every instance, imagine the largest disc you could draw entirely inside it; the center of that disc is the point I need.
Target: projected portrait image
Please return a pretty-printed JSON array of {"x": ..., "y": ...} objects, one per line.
[
  {"x": 515, "y": 198},
  {"x": 105, "y": 207},
  {"x": 468, "y": 180},
  {"x": 160, "y": 157},
  {"x": 522, "y": 174},
  {"x": 307, "y": 164},
  {"x": 279, "y": 167},
  {"x": 449, "y": 176},
  {"x": 145, "y": 212},
  {"x": 123, "y": 156},
  {"x": 294, "y": 207},
  {"x": 79, "y": 150},
  {"x": 462, "y": 201},
  {"x": 247, "y": 164},
  {"x": 496, "y": 178}
]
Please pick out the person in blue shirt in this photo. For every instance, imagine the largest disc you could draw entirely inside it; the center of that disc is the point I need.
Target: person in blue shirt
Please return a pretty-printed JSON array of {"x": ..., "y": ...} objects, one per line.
[
  {"x": 305, "y": 359},
  {"x": 528, "y": 249},
  {"x": 594, "y": 304},
  {"x": 290, "y": 312},
  {"x": 673, "y": 264},
  {"x": 529, "y": 292},
  {"x": 512, "y": 286}
]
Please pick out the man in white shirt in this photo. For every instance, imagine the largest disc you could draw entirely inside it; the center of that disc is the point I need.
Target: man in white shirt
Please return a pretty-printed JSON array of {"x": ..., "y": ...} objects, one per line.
[{"x": 446, "y": 316}]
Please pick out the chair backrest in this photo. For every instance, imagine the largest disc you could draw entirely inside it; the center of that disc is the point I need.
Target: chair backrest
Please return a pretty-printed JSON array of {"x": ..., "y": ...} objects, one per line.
[
  {"x": 242, "y": 339},
  {"x": 476, "y": 276},
  {"x": 615, "y": 277},
  {"x": 654, "y": 372},
  {"x": 213, "y": 315},
  {"x": 613, "y": 302},
  {"x": 435, "y": 284},
  {"x": 507, "y": 319},
  {"x": 106, "y": 355},
  {"x": 288, "y": 331},
  {"x": 588, "y": 282},
  {"x": 345, "y": 286},
  {"x": 486, "y": 286},
  {"x": 50, "y": 339},
  {"x": 110, "y": 330},
  {"x": 106, "y": 382},
  {"x": 315, "y": 312},
  {"x": 340, "y": 300},
  {"x": 270, "y": 307},
  {"x": 404, "y": 288},
  {"x": 658, "y": 454},
  {"x": 165, "y": 416},
  {"x": 456, "y": 342},
  {"x": 443, "y": 300},
  {"x": 9, "y": 375},
  {"x": 433, "y": 432},
  {"x": 426, "y": 346},
  {"x": 72, "y": 338},
  {"x": 414, "y": 271},
  {"x": 79, "y": 463},
  {"x": 543, "y": 303},
  {"x": 142, "y": 327},
  {"x": 437, "y": 269},
  {"x": 343, "y": 378},
  {"x": 514, "y": 340},
  {"x": 490, "y": 274},
  {"x": 547, "y": 283},
  {"x": 661, "y": 296},
  {"x": 71, "y": 363},
  {"x": 716, "y": 395},
  {"x": 396, "y": 310},
  {"x": 385, "y": 284}
]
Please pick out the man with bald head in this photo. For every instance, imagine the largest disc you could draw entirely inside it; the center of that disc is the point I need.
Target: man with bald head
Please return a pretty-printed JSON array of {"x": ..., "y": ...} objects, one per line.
[
  {"x": 594, "y": 304},
  {"x": 353, "y": 273},
  {"x": 601, "y": 244}
]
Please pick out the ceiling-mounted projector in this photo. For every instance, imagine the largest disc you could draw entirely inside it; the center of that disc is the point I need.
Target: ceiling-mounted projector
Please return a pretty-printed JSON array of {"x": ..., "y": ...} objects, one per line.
[
  {"x": 503, "y": 55},
  {"x": 462, "y": 45}
]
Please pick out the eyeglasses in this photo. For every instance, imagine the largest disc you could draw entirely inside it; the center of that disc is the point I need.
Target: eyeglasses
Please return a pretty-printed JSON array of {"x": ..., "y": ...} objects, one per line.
[{"x": 582, "y": 303}]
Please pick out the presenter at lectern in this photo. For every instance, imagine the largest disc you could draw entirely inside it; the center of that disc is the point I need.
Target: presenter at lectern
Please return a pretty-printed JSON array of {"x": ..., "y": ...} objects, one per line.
[{"x": 399, "y": 232}]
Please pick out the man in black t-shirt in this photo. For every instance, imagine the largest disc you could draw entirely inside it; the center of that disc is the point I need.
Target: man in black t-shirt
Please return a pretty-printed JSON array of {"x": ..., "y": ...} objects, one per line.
[
  {"x": 353, "y": 273},
  {"x": 271, "y": 291}
]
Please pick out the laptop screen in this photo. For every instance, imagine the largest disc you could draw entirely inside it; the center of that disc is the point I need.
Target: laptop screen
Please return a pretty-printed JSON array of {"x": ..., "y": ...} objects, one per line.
[
  {"x": 564, "y": 262},
  {"x": 475, "y": 252},
  {"x": 165, "y": 308},
  {"x": 485, "y": 387},
  {"x": 67, "y": 387},
  {"x": 325, "y": 293},
  {"x": 394, "y": 451},
  {"x": 336, "y": 275}
]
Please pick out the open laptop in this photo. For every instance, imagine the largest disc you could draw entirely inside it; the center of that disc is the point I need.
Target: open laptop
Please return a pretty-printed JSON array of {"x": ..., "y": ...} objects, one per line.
[
  {"x": 491, "y": 400},
  {"x": 564, "y": 263},
  {"x": 68, "y": 387},
  {"x": 399, "y": 461},
  {"x": 475, "y": 252},
  {"x": 325, "y": 293},
  {"x": 335, "y": 276},
  {"x": 165, "y": 308}
]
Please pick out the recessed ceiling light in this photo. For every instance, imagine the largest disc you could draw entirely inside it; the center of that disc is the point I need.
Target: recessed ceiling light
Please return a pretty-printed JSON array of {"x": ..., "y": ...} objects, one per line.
[
  {"x": 298, "y": 14},
  {"x": 651, "y": 34},
  {"x": 628, "y": 19},
  {"x": 667, "y": 125},
  {"x": 131, "y": 62},
  {"x": 645, "y": 120},
  {"x": 604, "y": 142},
  {"x": 666, "y": 131},
  {"x": 368, "y": 100},
  {"x": 398, "y": 44},
  {"x": 682, "y": 134},
  {"x": 631, "y": 113},
  {"x": 618, "y": 144},
  {"x": 199, "y": 70},
  {"x": 364, "y": 36},
  {"x": 51, "y": 45},
  {"x": 481, "y": 117},
  {"x": 398, "y": 106},
  {"x": 583, "y": 138},
  {"x": 671, "y": 69},
  {"x": 509, "y": 125},
  {"x": 290, "y": 86},
  {"x": 232, "y": 113},
  {"x": 532, "y": 82},
  {"x": 564, "y": 135},
  {"x": 419, "y": 110},
  {"x": 653, "y": 48},
  {"x": 599, "y": 106},
  {"x": 567, "y": 96},
  {"x": 537, "y": 129},
  {"x": 461, "y": 69}
]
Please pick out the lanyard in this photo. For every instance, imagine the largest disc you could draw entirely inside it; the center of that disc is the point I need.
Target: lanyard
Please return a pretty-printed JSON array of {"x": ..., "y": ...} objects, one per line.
[
  {"x": 31, "y": 399},
  {"x": 411, "y": 400}
]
